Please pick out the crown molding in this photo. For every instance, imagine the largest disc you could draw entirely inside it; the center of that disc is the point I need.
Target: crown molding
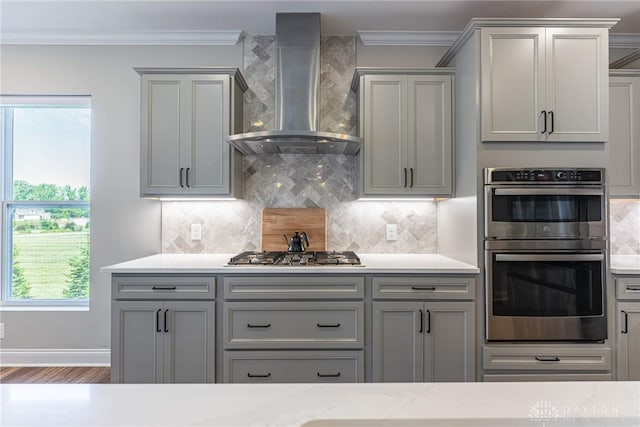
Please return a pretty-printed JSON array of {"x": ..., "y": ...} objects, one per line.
[
  {"x": 408, "y": 38},
  {"x": 134, "y": 38},
  {"x": 624, "y": 41},
  {"x": 625, "y": 60}
]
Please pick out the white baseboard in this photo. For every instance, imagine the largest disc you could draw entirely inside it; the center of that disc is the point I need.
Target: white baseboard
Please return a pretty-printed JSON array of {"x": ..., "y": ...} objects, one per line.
[{"x": 55, "y": 357}]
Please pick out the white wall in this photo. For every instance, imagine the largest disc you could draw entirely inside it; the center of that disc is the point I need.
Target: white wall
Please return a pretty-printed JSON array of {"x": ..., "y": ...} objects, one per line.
[
  {"x": 398, "y": 56},
  {"x": 123, "y": 226}
]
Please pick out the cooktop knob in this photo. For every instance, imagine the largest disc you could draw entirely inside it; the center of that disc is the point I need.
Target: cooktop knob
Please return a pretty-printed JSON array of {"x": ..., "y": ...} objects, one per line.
[{"x": 561, "y": 175}]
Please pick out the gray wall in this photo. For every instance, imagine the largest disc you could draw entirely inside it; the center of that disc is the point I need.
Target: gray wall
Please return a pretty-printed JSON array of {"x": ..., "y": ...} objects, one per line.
[{"x": 123, "y": 226}]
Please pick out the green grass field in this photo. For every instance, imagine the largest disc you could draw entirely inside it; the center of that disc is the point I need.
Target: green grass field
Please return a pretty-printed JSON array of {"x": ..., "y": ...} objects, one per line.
[{"x": 44, "y": 259}]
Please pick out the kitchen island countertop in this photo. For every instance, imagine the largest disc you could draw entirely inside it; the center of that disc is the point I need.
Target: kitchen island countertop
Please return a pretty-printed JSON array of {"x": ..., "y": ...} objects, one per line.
[
  {"x": 555, "y": 404},
  {"x": 625, "y": 264},
  {"x": 216, "y": 264}
]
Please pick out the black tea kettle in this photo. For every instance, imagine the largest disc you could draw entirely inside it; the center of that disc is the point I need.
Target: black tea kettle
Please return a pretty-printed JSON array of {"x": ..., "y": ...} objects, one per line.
[{"x": 298, "y": 242}]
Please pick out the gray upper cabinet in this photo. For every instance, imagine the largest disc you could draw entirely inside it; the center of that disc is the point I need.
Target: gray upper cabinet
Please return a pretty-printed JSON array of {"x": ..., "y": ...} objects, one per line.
[
  {"x": 624, "y": 137},
  {"x": 405, "y": 119},
  {"x": 186, "y": 116},
  {"x": 544, "y": 84}
]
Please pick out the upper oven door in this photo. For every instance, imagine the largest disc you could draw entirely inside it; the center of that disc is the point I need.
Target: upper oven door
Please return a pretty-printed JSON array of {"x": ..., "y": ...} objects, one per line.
[{"x": 544, "y": 212}]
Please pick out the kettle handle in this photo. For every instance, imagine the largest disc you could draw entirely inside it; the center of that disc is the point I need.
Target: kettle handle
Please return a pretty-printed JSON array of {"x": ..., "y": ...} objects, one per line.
[{"x": 306, "y": 239}]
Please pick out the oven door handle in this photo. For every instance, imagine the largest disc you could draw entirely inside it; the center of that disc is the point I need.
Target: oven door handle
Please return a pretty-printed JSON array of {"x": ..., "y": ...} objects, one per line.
[
  {"x": 546, "y": 257},
  {"x": 548, "y": 192}
]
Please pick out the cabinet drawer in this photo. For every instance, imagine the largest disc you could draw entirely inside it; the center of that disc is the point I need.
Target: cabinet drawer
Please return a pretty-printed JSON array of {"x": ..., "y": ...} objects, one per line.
[
  {"x": 163, "y": 287},
  {"x": 547, "y": 359},
  {"x": 293, "y": 367},
  {"x": 545, "y": 377},
  {"x": 628, "y": 288},
  {"x": 293, "y": 325},
  {"x": 326, "y": 287},
  {"x": 424, "y": 288}
]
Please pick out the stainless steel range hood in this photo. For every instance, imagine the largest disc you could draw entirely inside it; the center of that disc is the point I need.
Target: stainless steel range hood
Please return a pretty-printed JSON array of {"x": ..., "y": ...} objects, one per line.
[{"x": 297, "y": 96}]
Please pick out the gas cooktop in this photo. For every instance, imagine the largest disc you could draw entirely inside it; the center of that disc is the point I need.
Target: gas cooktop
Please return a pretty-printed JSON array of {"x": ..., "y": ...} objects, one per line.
[{"x": 316, "y": 258}]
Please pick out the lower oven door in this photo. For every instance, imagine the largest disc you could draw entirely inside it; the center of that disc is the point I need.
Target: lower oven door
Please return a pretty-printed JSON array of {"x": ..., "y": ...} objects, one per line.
[{"x": 545, "y": 296}]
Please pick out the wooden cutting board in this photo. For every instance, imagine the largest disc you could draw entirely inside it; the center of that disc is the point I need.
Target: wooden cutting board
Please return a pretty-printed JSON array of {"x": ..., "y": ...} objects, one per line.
[{"x": 277, "y": 222}]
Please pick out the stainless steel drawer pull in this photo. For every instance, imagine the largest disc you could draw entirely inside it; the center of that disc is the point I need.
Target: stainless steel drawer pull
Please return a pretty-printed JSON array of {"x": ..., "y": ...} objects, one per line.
[
  {"x": 328, "y": 325},
  {"x": 251, "y": 325},
  {"x": 547, "y": 359},
  {"x": 337, "y": 374},
  {"x": 423, "y": 288},
  {"x": 267, "y": 375},
  {"x": 164, "y": 288}
]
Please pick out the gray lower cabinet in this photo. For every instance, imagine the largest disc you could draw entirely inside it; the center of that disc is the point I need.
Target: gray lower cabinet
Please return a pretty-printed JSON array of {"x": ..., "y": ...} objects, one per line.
[
  {"x": 628, "y": 328},
  {"x": 293, "y": 329},
  {"x": 423, "y": 341},
  {"x": 156, "y": 337},
  {"x": 546, "y": 362},
  {"x": 293, "y": 366}
]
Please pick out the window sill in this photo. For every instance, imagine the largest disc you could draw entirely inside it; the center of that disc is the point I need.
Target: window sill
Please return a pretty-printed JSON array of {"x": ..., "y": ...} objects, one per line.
[{"x": 8, "y": 307}]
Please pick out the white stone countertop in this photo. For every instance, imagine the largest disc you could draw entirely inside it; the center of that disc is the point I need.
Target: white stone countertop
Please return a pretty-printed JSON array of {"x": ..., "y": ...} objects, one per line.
[
  {"x": 323, "y": 405},
  {"x": 625, "y": 264},
  {"x": 216, "y": 263}
]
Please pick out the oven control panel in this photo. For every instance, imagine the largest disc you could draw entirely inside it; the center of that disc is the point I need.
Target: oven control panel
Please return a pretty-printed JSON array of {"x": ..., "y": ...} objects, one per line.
[{"x": 551, "y": 176}]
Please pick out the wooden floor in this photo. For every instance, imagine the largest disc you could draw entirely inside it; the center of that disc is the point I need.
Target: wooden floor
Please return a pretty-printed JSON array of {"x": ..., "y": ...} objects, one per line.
[{"x": 54, "y": 375}]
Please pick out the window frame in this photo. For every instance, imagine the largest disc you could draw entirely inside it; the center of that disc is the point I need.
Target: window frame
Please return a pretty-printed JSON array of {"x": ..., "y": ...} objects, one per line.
[{"x": 8, "y": 203}]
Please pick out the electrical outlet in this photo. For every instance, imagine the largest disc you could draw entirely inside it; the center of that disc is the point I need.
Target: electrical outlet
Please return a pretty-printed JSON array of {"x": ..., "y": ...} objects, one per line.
[
  {"x": 1, "y": 331},
  {"x": 392, "y": 232},
  {"x": 196, "y": 231}
]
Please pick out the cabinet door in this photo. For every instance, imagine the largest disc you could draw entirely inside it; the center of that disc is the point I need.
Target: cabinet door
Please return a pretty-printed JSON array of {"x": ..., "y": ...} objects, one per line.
[
  {"x": 429, "y": 135},
  {"x": 384, "y": 134},
  {"x": 189, "y": 334},
  {"x": 512, "y": 84},
  {"x": 398, "y": 342},
  {"x": 161, "y": 158},
  {"x": 628, "y": 340},
  {"x": 624, "y": 136},
  {"x": 136, "y": 342},
  {"x": 207, "y": 168},
  {"x": 449, "y": 341},
  {"x": 577, "y": 84}
]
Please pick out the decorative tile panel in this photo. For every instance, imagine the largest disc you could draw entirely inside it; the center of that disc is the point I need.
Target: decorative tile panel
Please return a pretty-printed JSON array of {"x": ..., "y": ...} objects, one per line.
[{"x": 624, "y": 227}]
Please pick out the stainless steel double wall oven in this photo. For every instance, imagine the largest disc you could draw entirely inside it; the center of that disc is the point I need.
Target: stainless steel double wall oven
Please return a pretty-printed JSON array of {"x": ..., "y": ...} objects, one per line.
[{"x": 545, "y": 254}]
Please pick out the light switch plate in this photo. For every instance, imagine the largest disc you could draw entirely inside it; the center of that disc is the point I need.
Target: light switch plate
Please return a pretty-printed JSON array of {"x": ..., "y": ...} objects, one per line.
[
  {"x": 196, "y": 231},
  {"x": 392, "y": 232},
  {"x": 1, "y": 331}
]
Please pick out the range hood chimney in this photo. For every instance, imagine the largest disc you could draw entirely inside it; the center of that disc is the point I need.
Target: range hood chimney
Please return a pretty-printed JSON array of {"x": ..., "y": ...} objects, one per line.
[{"x": 297, "y": 96}]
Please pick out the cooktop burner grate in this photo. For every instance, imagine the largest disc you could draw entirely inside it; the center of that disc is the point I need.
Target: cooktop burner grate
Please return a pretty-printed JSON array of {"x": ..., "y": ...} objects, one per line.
[{"x": 316, "y": 258}]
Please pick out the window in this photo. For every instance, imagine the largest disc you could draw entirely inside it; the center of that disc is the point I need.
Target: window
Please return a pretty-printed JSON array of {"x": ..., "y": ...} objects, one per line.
[{"x": 45, "y": 200}]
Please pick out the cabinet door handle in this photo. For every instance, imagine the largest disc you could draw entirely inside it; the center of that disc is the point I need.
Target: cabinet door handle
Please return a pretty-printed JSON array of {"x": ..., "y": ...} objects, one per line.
[
  {"x": 428, "y": 321},
  {"x": 405, "y": 177},
  {"x": 411, "y": 169},
  {"x": 164, "y": 288},
  {"x": 423, "y": 288},
  {"x": 421, "y": 321},
  {"x": 544, "y": 121},
  {"x": 255, "y": 325},
  {"x": 181, "y": 172},
  {"x": 547, "y": 359},
  {"x": 158, "y": 320},
  {"x": 188, "y": 185},
  {"x": 625, "y": 322},
  {"x": 328, "y": 325},
  {"x": 336, "y": 375},
  {"x": 166, "y": 327},
  {"x": 267, "y": 375},
  {"x": 552, "y": 125}
]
